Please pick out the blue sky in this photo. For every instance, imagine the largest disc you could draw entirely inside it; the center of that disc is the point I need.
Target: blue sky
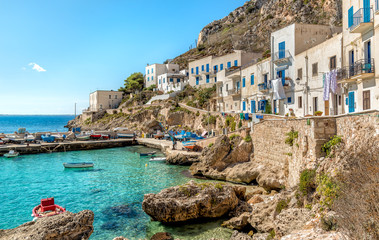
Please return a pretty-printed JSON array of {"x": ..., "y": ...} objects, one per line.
[{"x": 54, "y": 53}]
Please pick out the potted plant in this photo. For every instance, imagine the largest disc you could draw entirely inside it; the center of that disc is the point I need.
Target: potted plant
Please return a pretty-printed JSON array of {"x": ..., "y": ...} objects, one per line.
[{"x": 318, "y": 113}]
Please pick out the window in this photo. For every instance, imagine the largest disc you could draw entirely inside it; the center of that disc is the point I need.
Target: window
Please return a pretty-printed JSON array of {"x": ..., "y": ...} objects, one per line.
[
  {"x": 152, "y": 70},
  {"x": 236, "y": 63},
  {"x": 148, "y": 78},
  {"x": 159, "y": 81},
  {"x": 314, "y": 69},
  {"x": 164, "y": 80},
  {"x": 289, "y": 100},
  {"x": 202, "y": 68},
  {"x": 178, "y": 80},
  {"x": 110, "y": 96},
  {"x": 152, "y": 78},
  {"x": 229, "y": 64},
  {"x": 332, "y": 63},
  {"x": 101, "y": 106},
  {"x": 366, "y": 100},
  {"x": 221, "y": 67},
  {"x": 197, "y": 70},
  {"x": 227, "y": 87},
  {"x": 243, "y": 82},
  {"x": 197, "y": 80},
  {"x": 148, "y": 71},
  {"x": 300, "y": 73},
  {"x": 171, "y": 80},
  {"x": 115, "y": 96},
  {"x": 315, "y": 104},
  {"x": 351, "y": 16},
  {"x": 300, "y": 102},
  {"x": 207, "y": 67},
  {"x": 339, "y": 100},
  {"x": 215, "y": 79},
  {"x": 191, "y": 70},
  {"x": 252, "y": 79},
  {"x": 207, "y": 78},
  {"x": 216, "y": 68},
  {"x": 265, "y": 77}
]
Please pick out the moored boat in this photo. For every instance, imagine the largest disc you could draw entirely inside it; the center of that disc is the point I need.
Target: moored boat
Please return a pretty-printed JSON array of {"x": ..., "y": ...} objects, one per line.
[
  {"x": 83, "y": 138},
  {"x": 78, "y": 165},
  {"x": 157, "y": 159},
  {"x": 95, "y": 136},
  {"x": 148, "y": 153},
  {"x": 47, "y": 208},
  {"x": 11, "y": 154},
  {"x": 48, "y": 138},
  {"x": 125, "y": 135}
]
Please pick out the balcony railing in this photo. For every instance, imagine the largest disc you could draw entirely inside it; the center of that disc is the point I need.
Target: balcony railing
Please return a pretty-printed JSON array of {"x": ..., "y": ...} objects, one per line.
[
  {"x": 362, "y": 20},
  {"x": 282, "y": 57},
  {"x": 263, "y": 87},
  {"x": 359, "y": 69},
  {"x": 234, "y": 92}
]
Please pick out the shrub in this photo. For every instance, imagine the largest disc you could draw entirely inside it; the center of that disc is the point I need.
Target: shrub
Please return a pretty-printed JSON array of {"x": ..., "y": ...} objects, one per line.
[
  {"x": 248, "y": 138},
  {"x": 281, "y": 205},
  {"x": 291, "y": 136},
  {"x": 209, "y": 119},
  {"x": 233, "y": 136},
  {"x": 210, "y": 145},
  {"x": 272, "y": 235},
  {"x": 307, "y": 181},
  {"x": 240, "y": 124},
  {"x": 328, "y": 146},
  {"x": 233, "y": 126},
  {"x": 328, "y": 189},
  {"x": 88, "y": 121}
]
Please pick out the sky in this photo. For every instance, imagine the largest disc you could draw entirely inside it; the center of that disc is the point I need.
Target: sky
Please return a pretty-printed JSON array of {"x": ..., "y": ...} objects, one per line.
[{"x": 53, "y": 54}]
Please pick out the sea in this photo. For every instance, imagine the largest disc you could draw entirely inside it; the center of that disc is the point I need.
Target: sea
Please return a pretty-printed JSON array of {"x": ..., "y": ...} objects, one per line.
[
  {"x": 113, "y": 189},
  {"x": 34, "y": 123}
]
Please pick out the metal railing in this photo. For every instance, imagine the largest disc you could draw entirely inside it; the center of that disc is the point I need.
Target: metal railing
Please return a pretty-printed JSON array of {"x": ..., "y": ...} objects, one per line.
[
  {"x": 363, "y": 15},
  {"x": 282, "y": 54},
  {"x": 263, "y": 86},
  {"x": 359, "y": 67},
  {"x": 234, "y": 91}
]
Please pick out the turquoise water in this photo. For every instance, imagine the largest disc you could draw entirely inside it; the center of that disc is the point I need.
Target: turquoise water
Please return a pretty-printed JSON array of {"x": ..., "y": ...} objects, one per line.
[{"x": 34, "y": 123}]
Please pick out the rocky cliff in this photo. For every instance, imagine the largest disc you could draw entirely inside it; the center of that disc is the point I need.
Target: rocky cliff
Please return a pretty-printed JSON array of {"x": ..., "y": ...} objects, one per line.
[{"x": 249, "y": 26}]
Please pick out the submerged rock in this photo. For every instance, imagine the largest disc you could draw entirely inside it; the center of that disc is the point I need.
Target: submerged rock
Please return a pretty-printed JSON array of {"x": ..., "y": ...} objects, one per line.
[
  {"x": 66, "y": 226},
  {"x": 190, "y": 201},
  {"x": 162, "y": 236}
]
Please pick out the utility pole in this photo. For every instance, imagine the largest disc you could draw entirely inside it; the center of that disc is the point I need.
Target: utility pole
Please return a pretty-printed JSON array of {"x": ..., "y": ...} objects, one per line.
[{"x": 75, "y": 110}]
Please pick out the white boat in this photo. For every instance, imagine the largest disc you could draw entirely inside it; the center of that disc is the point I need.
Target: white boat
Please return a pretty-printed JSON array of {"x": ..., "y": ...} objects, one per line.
[
  {"x": 11, "y": 154},
  {"x": 157, "y": 159},
  {"x": 78, "y": 165},
  {"x": 29, "y": 138},
  {"x": 125, "y": 135}
]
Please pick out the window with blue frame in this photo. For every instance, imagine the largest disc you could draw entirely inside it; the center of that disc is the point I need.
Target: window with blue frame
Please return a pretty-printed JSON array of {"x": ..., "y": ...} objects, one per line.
[
  {"x": 197, "y": 70},
  {"x": 148, "y": 78},
  {"x": 197, "y": 80},
  {"x": 236, "y": 63},
  {"x": 238, "y": 85},
  {"x": 243, "y": 82},
  {"x": 207, "y": 78},
  {"x": 159, "y": 81},
  {"x": 221, "y": 67},
  {"x": 289, "y": 100},
  {"x": 164, "y": 80},
  {"x": 178, "y": 80},
  {"x": 171, "y": 80},
  {"x": 202, "y": 68},
  {"x": 152, "y": 78},
  {"x": 216, "y": 68},
  {"x": 350, "y": 16},
  {"x": 215, "y": 79},
  {"x": 252, "y": 79},
  {"x": 191, "y": 70},
  {"x": 152, "y": 70},
  {"x": 148, "y": 71},
  {"x": 229, "y": 64},
  {"x": 243, "y": 106},
  {"x": 282, "y": 49},
  {"x": 207, "y": 67}
]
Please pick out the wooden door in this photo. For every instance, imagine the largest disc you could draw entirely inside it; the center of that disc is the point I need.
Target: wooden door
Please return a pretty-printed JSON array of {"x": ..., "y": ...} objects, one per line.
[
  {"x": 366, "y": 100},
  {"x": 326, "y": 112}
]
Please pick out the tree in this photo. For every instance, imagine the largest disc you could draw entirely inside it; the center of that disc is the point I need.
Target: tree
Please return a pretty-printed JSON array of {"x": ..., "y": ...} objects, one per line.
[{"x": 133, "y": 82}]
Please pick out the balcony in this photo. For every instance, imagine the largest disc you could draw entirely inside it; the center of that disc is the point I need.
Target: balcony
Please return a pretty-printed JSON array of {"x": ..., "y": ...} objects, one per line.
[
  {"x": 362, "y": 21},
  {"x": 282, "y": 57},
  {"x": 196, "y": 74},
  {"x": 361, "y": 69},
  {"x": 234, "y": 92},
  {"x": 263, "y": 87}
]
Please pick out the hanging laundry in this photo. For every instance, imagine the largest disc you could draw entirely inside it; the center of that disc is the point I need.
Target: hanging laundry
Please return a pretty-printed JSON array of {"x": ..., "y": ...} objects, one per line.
[
  {"x": 277, "y": 88},
  {"x": 246, "y": 116},
  {"x": 241, "y": 116},
  {"x": 333, "y": 81},
  {"x": 326, "y": 86}
]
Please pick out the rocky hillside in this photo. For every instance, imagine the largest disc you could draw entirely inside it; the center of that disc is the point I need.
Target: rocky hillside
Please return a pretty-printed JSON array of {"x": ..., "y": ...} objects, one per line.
[{"x": 249, "y": 27}]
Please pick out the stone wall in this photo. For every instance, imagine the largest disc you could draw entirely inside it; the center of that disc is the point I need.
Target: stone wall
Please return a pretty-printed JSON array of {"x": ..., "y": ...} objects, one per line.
[{"x": 269, "y": 143}]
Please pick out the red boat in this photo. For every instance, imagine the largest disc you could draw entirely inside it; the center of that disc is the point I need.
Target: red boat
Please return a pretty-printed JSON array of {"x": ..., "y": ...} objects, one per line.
[
  {"x": 47, "y": 208},
  {"x": 105, "y": 137},
  {"x": 95, "y": 136}
]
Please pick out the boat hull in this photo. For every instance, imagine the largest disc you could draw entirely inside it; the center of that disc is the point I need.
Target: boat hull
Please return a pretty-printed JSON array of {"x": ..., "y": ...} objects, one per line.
[
  {"x": 78, "y": 165},
  {"x": 11, "y": 155},
  {"x": 157, "y": 159},
  {"x": 39, "y": 214},
  {"x": 125, "y": 135},
  {"x": 147, "y": 154}
]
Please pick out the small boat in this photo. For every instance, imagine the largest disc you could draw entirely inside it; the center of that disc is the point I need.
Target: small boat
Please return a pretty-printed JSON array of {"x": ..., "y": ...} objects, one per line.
[
  {"x": 47, "y": 208},
  {"x": 11, "y": 154},
  {"x": 105, "y": 137},
  {"x": 157, "y": 159},
  {"x": 78, "y": 165},
  {"x": 1, "y": 142},
  {"x": 125, "y": 135},
  {"x": 95, "y": 136},
  {"x": 48, "y": 138},
  {"x": 30, "y": 138},
  {"x": 148, "y": 153},
  {"x": 83, "y": 138}
]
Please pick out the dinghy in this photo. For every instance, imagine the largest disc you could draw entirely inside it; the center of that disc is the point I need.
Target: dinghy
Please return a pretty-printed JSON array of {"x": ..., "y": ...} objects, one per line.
[
  {"x": 157, "y": 159},
  {"x": 47, "y": 208},
  {"x": 78, "y": 165},
  {"x": 11, "y": 154},
  {"x": 147, "y": 153}
]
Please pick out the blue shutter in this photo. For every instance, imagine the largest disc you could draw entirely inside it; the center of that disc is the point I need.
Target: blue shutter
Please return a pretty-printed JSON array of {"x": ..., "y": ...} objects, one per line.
[
  {"x": 152, "y": 78},
  {"x": 252, "y": 79},
  {"x": 238, "y": 85},
  {"x": 221, "y": 67},
  {"x": 253, "y": 107},
  {"x": 159, "y": 81},
  {"x": 215, "y": 79},
  {"x": 148, "y": 78},
  {"x": 350, "y": 16},
  {"x": 351, "y": 102},
  {"x": 236, "y": 63},
  {"x": 191, "y": 70},
  {"x": 171, "y": 80},
  {"x": 229, "y": 64},
  {"x": 289, "y": 100},
  {"x": 282, "y": 49},
  {"x": 366, "y": 11},
  {"x": 243, "y": 82},
  {"x": 202, "y": 68},
  {"x": 164, "y": 80},
  {"x": 207, "y": 68},
  {"x": 152, "y": 70},
  {"x": 216, "y": 68},
  {"x": 207, "y": 77},
  {"x": 243, "y": 106},
  {"x": 148, "y": 71},
  {"x": 197, "y": 70},
  {"x": 197, "y": 80}
]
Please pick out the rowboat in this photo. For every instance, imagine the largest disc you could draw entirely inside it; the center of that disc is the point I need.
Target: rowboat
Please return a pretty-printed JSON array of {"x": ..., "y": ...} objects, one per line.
[
  {"x": 148, "y": 153},
  {"x": 47, "y": 208},
  {"x": 83, "y": 138},
  {"x": 78, "y": 165},
  {"x": 30, "y": 138},
  {"x": 11, "y": 154},
  {"x": 48, "y": 138},
  {"x": 157, "y": 159},
  {"x": 105, "y": 137},
  {"x": 125, "y": 135},
  {"x": 95, "y": 136}
]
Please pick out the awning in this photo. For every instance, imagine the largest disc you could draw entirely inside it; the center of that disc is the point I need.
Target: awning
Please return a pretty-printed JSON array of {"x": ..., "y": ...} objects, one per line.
[{"x": 281, "y": 68}]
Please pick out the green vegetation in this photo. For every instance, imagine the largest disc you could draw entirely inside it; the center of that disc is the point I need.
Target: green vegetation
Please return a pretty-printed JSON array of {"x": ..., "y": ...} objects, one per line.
[
  {"x": 248, "y": 138},
  {"x": 328, "y": 146},
  {"x": 308, "y": 206},
  {"x": 180, "y": 109},
  {"x": 209, "y": 119},
  {"x": 133, "y": 82},
  {"x": 233, "y": 136},
  {"x": 268, "y": 108},
  {"x": 219, "y": 186},
  {"x": 307, "y": 182},
  {"x": 204, "y": 94},
  {"x": 210, "y": 145},
  {"x": 230, "y": 122},
  {"x": 272, "y": 235},
  {"x": 88, "y": 121},
  {"x": 281, "y": 205},
  {"x": 291, "y": 136},
  {"x": 328, "y": 189},
  {"x": 151, "y": 88},
  {"x": 240, "y": 124}
]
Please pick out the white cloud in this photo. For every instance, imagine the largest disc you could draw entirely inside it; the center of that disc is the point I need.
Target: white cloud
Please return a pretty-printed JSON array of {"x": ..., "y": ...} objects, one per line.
[{"x": 37, "y": 67}]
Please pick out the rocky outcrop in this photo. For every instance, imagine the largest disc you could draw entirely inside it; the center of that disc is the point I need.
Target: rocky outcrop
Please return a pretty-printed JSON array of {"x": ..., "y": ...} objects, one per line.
[
  {"x": 65, "y": 226},
  {"x": 240, "y": 236},
  {"x": 190, "y": 201},
  {"x": 290, "y": 219},
  {"x": 181, "y": 159}
]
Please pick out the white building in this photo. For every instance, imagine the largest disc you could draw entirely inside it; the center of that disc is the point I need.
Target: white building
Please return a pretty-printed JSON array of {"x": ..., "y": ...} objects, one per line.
[
  {"x": 172, "y": 81},
  {"x": 153, "y": 71}
]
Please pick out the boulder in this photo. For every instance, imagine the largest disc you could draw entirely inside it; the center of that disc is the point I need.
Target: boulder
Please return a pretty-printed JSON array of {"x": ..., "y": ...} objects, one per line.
[
  {"x": 180, "y": 159},
  {"x": 238, "y": 223},
  {"x": 162, "y": 236},
  {"x": 190, "y": 201},
  {"x": 290, "y": 220},
  {"x": 255, "y": 199},
  {"x": 241, "y": 208},
  {"x": 65, "y": 226},
  {"x": 240, "y": 236}
]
